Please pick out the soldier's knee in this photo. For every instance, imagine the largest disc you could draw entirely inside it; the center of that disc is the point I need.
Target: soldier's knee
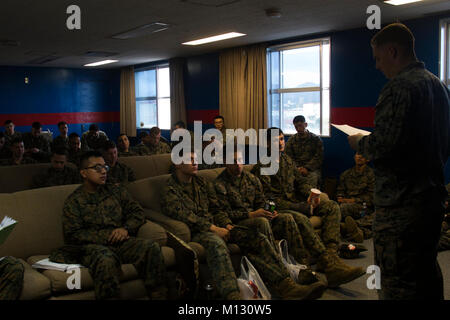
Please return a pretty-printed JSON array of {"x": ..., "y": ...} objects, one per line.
[{"x": 261, "y": 223}]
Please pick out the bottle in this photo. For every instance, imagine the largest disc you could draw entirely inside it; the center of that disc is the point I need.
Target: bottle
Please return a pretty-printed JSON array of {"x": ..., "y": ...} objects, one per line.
[
  {"x": 363, "y": 210},
  {"x": 270, "y": 205},
  {"x": 209, "y": 291}
]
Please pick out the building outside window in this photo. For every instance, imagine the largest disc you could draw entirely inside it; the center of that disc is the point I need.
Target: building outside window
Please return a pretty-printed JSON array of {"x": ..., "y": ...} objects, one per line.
[
  {"x": 153, "y": 97},
  {"x": 444, "y": 61},
  {"x": 299, "y": 84}
]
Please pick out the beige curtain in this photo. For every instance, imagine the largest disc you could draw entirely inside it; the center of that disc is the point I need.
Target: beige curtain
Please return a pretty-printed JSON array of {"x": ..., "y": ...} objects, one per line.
[
  {"x": 243, "y": 87},
  {"x": 127, "y": 102},
  {"x": 177, "y": 101}
]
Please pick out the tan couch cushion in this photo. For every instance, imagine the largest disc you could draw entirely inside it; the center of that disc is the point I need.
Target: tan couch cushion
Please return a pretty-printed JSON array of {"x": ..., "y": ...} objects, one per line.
[
  {"x": 178, "y": 228},
  {"x": 148, "y": 166},
  {"x": 153, "y": 231},
  {"x": 19, "y": 178},
  {"x": 39, "y": 227},
  {"x": 57, "y": 280},
  {"x": 35, "y": 285}
]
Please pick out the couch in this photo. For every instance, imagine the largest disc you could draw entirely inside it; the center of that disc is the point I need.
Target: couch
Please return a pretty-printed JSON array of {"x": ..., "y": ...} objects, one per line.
[
  {"x": 39, "y": 231},
  {"x": 19, "y": 178}
]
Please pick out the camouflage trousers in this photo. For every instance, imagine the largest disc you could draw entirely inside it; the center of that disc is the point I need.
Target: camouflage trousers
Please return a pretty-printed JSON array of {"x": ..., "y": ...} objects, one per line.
[
  {"x": 444, "y": 241},
  {"x": 104, "y": 263},
  {"x": 330, "y": 213},
  {"x": 405, "y": 241},
  {"x": 11, "y": 278},
  {"x": 254, "y": 245},
  {"x": 350, "y": 209}
]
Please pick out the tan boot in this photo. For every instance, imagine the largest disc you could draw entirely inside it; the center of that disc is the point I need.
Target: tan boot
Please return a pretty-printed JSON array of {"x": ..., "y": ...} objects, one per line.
[
  {"x": 289, "y": 290},
  {"x": 336, "y": 271},
  {"x": 354, "y": 233}
]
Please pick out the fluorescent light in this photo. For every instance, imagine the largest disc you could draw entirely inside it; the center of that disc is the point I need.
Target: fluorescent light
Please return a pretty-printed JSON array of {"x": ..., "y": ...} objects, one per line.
[
  {"x": 400, "y": 2},
  {"x": 100, "y": 63},
  {"x": 214, "y": 38}
]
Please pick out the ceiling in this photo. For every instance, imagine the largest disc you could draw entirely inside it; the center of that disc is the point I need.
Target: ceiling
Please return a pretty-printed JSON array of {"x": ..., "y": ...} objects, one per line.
[{"x": 38, "y": 33}]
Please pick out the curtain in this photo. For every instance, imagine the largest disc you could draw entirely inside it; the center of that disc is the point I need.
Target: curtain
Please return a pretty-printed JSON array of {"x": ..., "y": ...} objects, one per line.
[
  {"x": 177, "y": 101},
  {"x": 127, "y": 102},
  {"x": 243, "y": 87}
]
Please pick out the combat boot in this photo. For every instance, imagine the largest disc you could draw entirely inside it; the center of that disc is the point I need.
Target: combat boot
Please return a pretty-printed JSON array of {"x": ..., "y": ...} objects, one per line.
[
  {"x": 289, "y": 290},
  {"x": 159, "y": 293},
  {"x": 336, "y": 271},
  {"x": 353, "y": 232}
]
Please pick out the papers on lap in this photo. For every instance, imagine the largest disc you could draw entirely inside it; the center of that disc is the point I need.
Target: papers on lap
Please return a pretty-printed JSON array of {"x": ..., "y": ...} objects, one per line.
[
  {"x": 47, "y": 264},
  {"x": 350, "y": 130},
  {"x": 6, "y": 226}
]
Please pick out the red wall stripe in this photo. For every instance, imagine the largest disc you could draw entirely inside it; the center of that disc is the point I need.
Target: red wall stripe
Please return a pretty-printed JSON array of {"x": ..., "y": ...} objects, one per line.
[
  {"x": 357, "y": 117},
  {"x": 205, "y": 116},
  {"x": 53, "y": 118}
]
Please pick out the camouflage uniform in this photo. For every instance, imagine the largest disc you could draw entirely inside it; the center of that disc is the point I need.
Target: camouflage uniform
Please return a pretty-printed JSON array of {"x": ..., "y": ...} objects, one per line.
[
  {"x": 90, "y": 142},
  {"x": 11, "y": 278},
  {"x": 240, "y": 195},
  {"x": 11, "y": 162},
  {"x": 120, "y": 173},
  {"x": 146, "y": 150},
  {"x": 359, "y": 186},
  {"x": 412, "y": 113},
  {"x": 39, "y": 142},
  {"x": 9, "y": 139},
  {"x": 88, "y": 220},
  {"x": 196, "y": 205},
  {"x": 60, "y": 143},
  {"x": 290, "y": 190},
  {"x": 307, "y": 152},
  {"x": 53, "y": 177}
]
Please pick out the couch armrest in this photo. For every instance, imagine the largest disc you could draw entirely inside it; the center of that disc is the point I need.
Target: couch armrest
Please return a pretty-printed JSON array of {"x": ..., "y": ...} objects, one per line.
[
  {"x": 153, "y": 231},
  {"x": 178, "y": 228}
]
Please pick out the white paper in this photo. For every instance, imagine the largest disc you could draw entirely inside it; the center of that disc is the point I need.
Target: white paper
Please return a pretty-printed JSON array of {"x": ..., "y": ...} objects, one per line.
[
  {"x": 350, "y": 130},
  {"x": 47, "y": 264},
  {"x": 6, "y": 222}
]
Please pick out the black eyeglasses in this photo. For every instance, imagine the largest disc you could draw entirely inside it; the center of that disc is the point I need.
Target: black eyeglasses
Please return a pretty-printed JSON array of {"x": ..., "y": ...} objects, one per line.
[{"x": 99, "y": 168}]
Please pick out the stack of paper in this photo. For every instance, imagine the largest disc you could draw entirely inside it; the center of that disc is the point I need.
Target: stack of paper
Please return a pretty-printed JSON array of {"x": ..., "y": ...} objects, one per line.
[
  {"x": 6, "y": 226},
  {"x": 350, "y": 130},
  {"x": 47, "y": 264}
]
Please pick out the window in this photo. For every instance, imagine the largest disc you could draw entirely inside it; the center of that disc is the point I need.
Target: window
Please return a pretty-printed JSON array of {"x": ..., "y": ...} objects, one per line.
[
  {"x": 444, "y": 70},
  {"x": 299, "y": 84},
  {"x": 153, "y": 97}
]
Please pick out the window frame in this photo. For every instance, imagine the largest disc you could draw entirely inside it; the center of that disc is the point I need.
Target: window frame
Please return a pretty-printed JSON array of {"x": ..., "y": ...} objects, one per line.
[
  {"x": 295, "y": 45},
  {"x": 444, "y": 51},
  {"x": 152, "y": 98}
]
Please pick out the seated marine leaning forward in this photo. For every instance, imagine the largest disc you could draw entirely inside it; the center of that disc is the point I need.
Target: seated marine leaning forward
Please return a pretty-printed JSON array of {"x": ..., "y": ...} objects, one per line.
[
  {"x": 103, "y": 220},
  {"x": 191, "y": 199}
]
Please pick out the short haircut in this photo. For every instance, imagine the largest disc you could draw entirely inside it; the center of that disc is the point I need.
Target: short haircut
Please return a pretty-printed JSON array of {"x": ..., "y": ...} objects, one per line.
[
  {"x": 7, "y": 122},
  {"x": 84, "y": 160},
  {"x": 93, "y": 127},
  {"x": 73, "y": 135},
  {"x": 61, "y": 123},
  {"x": 16, "y": 140},
  {"x": 299, "y": 119},
  {"x": 59, "y": 151},
  {"x": 181, "y": 124},
  {"x": 155, "y": 131},
  {"x": 108, "y": 145},
  {"x": 122, "y": 134},
  {"x": 396, "y": 33},
  {"x": 269, "y": 133},
  {"x": 36, "y": 125},
  {"x": 219, "y": 117}
]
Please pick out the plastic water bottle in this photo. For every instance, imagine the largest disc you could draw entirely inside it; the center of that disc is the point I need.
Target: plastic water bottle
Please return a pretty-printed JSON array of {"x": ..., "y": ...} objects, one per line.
[{"x": 364, "y": 210}]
